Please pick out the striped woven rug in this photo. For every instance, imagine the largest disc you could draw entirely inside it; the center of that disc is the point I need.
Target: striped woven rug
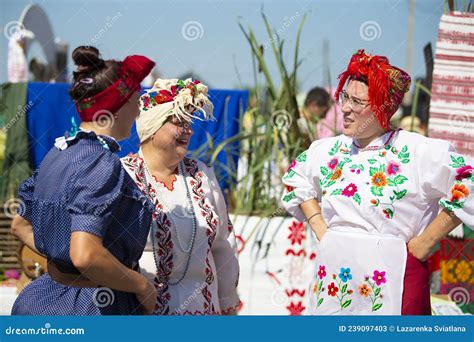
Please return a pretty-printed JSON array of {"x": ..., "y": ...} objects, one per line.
[{"x": 452, "y": 97}]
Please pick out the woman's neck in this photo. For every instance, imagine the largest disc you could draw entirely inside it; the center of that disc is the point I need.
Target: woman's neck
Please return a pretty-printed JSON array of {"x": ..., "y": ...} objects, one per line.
[
  {"x": 159, "y": 163},
  {"x": 364, "y": 142},
  {"x": 90, "y": 126}
]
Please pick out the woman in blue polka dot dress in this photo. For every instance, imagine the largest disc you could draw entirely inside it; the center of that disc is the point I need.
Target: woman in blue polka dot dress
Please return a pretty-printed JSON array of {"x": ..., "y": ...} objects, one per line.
[{"x": 80, "y": 208}]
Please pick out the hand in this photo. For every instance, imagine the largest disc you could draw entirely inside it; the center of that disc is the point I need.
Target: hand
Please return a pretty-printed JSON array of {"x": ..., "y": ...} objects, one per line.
[
  {"x": 147, "y": 298},
  {"x": 419, "y": 248},
  {"x": 318, "y": 226}
]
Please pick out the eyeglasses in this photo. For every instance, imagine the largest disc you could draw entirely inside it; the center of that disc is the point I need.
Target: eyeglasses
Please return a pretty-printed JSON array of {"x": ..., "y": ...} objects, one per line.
[
  {"x": 355, "y": 104},
  {"x": 185, "y": 125}
]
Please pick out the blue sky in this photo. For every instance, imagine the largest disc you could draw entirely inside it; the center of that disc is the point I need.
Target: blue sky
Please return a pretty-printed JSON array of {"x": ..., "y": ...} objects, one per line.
[{"x": 215, "y": 48}]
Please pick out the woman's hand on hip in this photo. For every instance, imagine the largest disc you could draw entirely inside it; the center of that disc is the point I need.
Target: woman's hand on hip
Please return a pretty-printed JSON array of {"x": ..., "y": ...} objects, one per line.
[{"x": 419, "y": 248}]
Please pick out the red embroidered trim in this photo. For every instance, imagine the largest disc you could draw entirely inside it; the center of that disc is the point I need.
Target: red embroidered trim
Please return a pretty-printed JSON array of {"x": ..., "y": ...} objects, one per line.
[{"x": 164, "y": 184}]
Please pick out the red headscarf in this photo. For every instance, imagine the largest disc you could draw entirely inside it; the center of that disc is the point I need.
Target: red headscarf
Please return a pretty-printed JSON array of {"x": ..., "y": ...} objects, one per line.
[
  {"x": 387, "y": 84},
  {"x": 132, "y": 72}
]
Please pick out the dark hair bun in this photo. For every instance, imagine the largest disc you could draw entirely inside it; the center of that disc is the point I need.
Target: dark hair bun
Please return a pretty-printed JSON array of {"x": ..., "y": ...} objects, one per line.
[{"x": 87, "y": 57}]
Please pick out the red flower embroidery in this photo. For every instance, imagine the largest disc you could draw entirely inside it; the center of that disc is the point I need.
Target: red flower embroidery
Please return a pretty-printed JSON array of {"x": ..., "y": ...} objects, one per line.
[
  {"x": 292, "y": 165},
  {"x": 350, "y": 190},
  {"x": 393, "y": 168},
  {"x": 379, "y": 277},
  {"x": 296, "y": 309},
  {"x": 333, "y": 163},
  {"x": 464, "y": 172},
  {"x": 332, "y": 289},
  {"x": 322, "y": 271},
  {"x": 289, "y": 188},
  {"x": 297, "y": 233}
]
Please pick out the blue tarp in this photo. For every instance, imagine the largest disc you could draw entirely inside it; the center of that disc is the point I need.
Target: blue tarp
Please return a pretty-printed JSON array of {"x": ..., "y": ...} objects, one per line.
[{"x": 50, "y": 111}]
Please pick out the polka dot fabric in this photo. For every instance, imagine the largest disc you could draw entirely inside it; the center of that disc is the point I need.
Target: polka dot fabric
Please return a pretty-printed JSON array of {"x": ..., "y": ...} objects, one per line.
[{"x": 82, "y": 188}]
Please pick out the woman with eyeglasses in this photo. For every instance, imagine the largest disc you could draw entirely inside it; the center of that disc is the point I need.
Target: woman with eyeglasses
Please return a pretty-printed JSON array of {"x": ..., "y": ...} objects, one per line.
[
  {"x": 378, "y": 199},
  {"x": 190, "y": 256}
]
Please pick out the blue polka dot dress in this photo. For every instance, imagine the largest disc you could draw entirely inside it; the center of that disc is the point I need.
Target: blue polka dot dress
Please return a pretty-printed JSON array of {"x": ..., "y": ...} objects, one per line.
[{"x": 82, "y": 186}]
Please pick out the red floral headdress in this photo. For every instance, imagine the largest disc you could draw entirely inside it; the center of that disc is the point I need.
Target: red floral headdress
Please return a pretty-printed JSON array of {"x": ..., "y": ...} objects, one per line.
[{"x": 387, "y": 84}]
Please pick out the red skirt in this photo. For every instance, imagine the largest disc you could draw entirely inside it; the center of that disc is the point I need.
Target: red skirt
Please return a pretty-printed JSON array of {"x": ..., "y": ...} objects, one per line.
[{"x": 416, "y": 287}]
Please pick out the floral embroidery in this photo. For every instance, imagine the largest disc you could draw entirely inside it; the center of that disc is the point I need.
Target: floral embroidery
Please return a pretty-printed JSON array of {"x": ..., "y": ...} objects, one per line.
[
  {"x": 372, "y": 290},
  {"x": 336, "y": 175},
  {"x": 349, "y": 191},
  {"x": 364, "y": 290},
  {"x": 322, "y": 271},
  {"x": 318, "y": 287},
  {"x": 357, "y": 169},
  {"x": 393, "y": 168},
  {"x": 297, "y": 233},
  {"x": 459, "y": 191},
  {"x": 379, "y": 179},
  {"x": 464, "y": 172},
  {"x": 345, "y": 274},
  {"x": 302, "y": 157},
  {"x": 333, "y": 163},
  {"x": 332, "y": 289},
  {"x": 164, "y": 237},
  {"x": 289, "y": 196},
  {"x": 383, "y": 176}
]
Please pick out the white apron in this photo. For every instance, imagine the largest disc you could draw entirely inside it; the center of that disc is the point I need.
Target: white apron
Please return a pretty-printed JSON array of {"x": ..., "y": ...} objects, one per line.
[{"x": 358, "y": 273}]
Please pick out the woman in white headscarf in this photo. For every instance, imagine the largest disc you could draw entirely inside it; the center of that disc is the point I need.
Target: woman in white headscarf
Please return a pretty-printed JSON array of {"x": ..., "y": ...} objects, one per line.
[{"x": 190, "y": 256}]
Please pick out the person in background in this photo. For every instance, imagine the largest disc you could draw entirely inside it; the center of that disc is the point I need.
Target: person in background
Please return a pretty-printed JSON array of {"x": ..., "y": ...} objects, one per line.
[{"x": 320, "y": 117}]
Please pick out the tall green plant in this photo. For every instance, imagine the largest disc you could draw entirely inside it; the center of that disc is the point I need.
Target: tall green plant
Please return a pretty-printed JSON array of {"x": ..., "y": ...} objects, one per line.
[{"x": 269, "y": 136}]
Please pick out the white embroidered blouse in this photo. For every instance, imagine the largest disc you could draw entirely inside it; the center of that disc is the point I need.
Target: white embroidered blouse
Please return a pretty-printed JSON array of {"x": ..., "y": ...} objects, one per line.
[
  {"x": 382, "y": 195},
  {"x": 210, "y": 284}
]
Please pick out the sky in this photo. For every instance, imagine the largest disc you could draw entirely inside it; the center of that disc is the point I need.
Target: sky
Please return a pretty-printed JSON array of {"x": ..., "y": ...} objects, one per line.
[{"x": 204, "y": 36}]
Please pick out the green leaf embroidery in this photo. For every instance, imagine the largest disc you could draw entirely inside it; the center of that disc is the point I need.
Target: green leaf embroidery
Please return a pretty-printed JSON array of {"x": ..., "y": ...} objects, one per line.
[
  {"x": 400, "y": 194},
  {"x": 330, "y": 183},
  {"x": 320, "y": 301},
  {"x": 372, "y": 161},
  {"x": 324, "y": 170},
  {"x": 376, "y": 307},
  {"x": 344, "y": 288},
  {"x": 376, "y": 190},
  {"x": 334, "y": 149},
  {"x": 289, "y": 196},
  {"x": 320, "y": 285},
  {"x": 390, "y": 182},
  {"x": 356, "y": 198},
  {"x": 301, "y": 157},
  {"x": 289, "y": 174},
  {"x": 346, "y": 303},
  {"x": 457, "y": 162},
  {"x": 377, "y": 291},
  {"x": 373, "y": 170},
  {"x": 400, "y": 179},
  {"x": 405, "y": 161},
  {"x": 336, "y": 192}
]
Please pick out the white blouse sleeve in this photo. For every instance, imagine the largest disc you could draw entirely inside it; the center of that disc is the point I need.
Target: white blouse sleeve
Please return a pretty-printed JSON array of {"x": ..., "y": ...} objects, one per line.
[
  {"x": 224, "y": 250},
  {"x": 448, "y": 177},
  {"x": 301, "y": 182}
]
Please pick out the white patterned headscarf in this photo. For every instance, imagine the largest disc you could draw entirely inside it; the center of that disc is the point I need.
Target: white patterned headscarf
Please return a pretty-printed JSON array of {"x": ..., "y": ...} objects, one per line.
[{"x": 170, "y": 97}]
